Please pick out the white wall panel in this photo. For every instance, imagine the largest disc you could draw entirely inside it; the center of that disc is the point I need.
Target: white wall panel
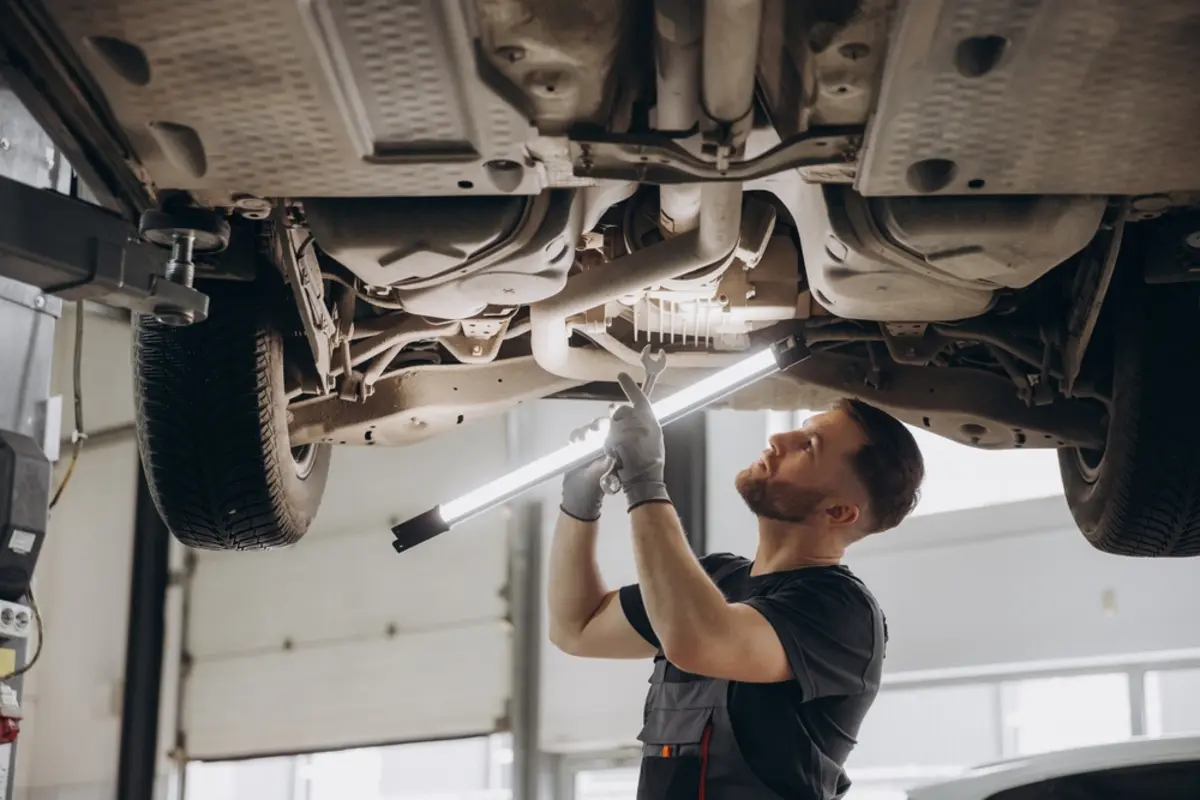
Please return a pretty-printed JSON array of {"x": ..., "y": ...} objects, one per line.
[
  {"x": 371, "y": 486},
  {"x": 993, "y": 586},
  {"x": 107, "y": 369},
  {"x": 735, "y": 439},
  {"x": 338, "y": 640},
  {"x": 932, "y": 727},
  {"x": 72, "y": 700},
  {"x": 961, "y": 477},
  {"x": 347, "y": 587},
  {"x": 430, "y": 685}
]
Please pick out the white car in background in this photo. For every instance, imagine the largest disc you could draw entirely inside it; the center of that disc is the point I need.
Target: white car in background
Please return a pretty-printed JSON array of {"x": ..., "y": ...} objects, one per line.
[{"x": 1160, "y": 768}]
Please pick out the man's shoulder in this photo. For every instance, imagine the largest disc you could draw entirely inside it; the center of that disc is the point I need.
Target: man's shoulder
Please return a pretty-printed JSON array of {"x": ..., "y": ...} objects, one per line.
[
  {"x": 853, "y": 587},
  {"x": 723, "y": 563},
  {"x": 833, "y": 586}
]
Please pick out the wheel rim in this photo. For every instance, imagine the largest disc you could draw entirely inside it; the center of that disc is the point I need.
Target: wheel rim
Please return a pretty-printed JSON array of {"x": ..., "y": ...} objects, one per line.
[
  {"x": 1089, "y": 463},
  {"x": 303, "y": 458}
]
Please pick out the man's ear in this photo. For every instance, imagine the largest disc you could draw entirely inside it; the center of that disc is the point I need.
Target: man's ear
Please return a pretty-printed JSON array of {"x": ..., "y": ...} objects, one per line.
[{"x": 843, "y": 513}]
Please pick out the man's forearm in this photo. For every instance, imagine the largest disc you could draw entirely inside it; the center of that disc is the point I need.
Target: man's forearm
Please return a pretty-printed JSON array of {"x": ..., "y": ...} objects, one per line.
[
  {"x": 576, "y": 588},
  {"x": 684, "y": 606}
]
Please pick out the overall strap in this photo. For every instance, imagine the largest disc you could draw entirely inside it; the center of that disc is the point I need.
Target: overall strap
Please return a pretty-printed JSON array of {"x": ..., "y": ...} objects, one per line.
[{"x": 725, "y": 570}]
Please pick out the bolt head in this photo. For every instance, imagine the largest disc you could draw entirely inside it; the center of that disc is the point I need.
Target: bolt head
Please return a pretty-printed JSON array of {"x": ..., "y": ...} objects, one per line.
[
  {"x": 251, "y": 203},
  {"x": 1192, "y": 240},
  {"x": 174, "y": 316},
  {"x": 1151, "y": 203},
  {"x": 39, "y": 301},
  {"x": 477, "y": 350},
  {"x": 511, "y": 53}
]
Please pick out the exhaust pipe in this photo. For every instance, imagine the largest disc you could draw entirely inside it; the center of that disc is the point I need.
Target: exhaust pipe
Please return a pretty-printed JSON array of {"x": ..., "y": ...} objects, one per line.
[
  {"x": 678, "y": 28},
  {"x": 712, "y": 244},
  {"x": 730, "y": 50}
]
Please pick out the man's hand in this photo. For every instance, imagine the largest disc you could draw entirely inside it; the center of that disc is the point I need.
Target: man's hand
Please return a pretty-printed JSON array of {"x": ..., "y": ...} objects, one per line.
[
  {"x": 582, "y": 496},
  {"x": 635, "y": 439}
]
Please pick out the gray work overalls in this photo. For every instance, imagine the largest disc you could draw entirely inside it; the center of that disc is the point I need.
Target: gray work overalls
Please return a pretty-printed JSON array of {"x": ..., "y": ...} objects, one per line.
[{"x": 687, "y": 718}]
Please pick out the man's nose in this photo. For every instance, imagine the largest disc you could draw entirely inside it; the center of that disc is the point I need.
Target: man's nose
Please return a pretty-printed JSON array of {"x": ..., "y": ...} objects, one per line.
[{"x": 782, "y": 442}]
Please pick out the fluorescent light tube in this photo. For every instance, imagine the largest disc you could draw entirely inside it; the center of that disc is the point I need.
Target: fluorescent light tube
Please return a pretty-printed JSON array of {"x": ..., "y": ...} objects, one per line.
[{"x": 441, "y": 518}]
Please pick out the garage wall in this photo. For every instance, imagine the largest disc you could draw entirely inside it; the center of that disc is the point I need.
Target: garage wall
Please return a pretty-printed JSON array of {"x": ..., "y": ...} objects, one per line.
[
  {"x": 1019, "y": 583},
  {"x": 338, "y": 641},
  {"x": 70, "y": 736}
]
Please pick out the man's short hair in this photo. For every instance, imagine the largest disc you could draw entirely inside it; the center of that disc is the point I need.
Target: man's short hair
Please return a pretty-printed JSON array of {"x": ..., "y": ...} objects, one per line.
[{"x": 889, "y": 465}]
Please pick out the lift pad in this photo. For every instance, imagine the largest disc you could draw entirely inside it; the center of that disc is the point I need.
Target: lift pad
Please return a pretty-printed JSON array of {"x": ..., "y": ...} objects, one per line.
[{"x": 440, "y": 519}]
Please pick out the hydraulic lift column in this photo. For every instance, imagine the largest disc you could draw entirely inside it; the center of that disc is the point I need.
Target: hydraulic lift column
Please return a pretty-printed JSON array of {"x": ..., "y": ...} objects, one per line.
[
  {"x": 29, "y": 436},
  {"x": 52, "y": 248}
]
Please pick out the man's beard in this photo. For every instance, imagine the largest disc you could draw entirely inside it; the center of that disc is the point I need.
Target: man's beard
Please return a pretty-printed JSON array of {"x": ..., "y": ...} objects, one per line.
[{"x": 777, "y": 501}]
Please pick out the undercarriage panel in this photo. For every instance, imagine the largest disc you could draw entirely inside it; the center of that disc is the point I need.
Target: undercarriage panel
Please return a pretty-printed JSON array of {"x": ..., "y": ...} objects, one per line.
[
  {"x": 1037, "y": 97},
  {"x": 315, "y": 98}
]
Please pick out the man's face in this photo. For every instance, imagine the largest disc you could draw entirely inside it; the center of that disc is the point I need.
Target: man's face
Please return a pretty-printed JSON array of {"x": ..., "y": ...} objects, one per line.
[{"x": 806, "y": 472}]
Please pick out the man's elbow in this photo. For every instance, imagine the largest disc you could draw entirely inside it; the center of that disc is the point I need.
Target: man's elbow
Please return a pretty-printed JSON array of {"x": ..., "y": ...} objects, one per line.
[
  {"x": 685, "y": 652},
  {"x": 566, "y": 640}
]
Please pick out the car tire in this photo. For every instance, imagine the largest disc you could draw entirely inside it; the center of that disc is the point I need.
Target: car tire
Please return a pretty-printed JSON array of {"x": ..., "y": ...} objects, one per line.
[
  {"x": 211, "y": 416},
  {"x": 1141, "y": 495}
]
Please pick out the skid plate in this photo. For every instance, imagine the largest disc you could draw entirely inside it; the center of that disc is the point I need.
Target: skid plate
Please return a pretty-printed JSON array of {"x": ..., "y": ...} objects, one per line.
[
  {"x": 1087, "y": 97},
  {"x": 301, "y": 97}
]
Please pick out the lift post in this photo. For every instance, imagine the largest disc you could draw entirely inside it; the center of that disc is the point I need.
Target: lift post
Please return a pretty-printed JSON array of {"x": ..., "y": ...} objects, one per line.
[
  {"x": 52, "y": 248},
  {"x": 29, "y": 435}
]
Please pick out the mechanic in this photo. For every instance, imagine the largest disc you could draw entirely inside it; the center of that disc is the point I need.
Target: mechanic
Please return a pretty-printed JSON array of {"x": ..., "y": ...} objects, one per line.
[{"x": 763, "y": 669}]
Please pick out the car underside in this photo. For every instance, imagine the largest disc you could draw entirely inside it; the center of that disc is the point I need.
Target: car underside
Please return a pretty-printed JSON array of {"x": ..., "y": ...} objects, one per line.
[{"x": 979, "y": 216}]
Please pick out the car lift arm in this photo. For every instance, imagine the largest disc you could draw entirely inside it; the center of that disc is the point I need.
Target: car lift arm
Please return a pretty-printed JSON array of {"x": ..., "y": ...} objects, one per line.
[{"x": 77, "y": 251}]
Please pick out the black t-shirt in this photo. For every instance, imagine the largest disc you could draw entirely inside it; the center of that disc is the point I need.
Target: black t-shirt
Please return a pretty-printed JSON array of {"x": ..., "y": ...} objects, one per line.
[{"x": 834, "y": 634}]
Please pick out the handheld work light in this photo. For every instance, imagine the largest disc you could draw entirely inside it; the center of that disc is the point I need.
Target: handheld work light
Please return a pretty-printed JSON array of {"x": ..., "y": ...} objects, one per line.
[{"x": 442, "y": 518}]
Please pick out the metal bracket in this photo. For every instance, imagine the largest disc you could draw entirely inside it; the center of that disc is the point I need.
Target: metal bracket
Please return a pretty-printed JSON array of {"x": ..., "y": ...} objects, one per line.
[
  {"x": 658, "y": 159},
  {"x": 304, "y": 276},
  {"x": 1172, "y": 255},
  {"x": 1091, "y": 286},
  {"x": 478, "y": 341},
  {"x": 912, "y": 343},
  {"x": 76, "y": 251}
]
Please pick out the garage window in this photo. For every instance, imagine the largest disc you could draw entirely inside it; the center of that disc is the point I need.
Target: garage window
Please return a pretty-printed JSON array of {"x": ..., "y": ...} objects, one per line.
[
  {"x": 618, "y": 783},
  {"x": 1044, "y": 714},
  {"x": 1172, "y": 701},
  {"x": 477, "y": 768}
]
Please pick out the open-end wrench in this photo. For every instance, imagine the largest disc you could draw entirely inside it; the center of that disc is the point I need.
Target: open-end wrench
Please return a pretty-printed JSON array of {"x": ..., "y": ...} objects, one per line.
[{"x": 654, "y": 365}]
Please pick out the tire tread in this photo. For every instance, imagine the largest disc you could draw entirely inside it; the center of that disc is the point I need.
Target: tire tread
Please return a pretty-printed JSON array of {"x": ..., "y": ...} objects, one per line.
[{"x": 207, "y": 411}]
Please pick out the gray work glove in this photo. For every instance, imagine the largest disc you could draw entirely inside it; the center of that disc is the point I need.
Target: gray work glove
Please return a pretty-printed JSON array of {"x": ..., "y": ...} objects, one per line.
[
  {"x": 635, "y": 439},
  {"x": 581, "y": 492}
]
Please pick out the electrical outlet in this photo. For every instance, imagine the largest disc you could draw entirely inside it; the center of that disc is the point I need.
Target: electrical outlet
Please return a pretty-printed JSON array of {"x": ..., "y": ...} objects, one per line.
[{"x": 16, "y": 620}]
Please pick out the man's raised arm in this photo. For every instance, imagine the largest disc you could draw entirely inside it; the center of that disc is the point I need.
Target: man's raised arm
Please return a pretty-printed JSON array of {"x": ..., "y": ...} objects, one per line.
[{"x": 586, "y": 618}]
